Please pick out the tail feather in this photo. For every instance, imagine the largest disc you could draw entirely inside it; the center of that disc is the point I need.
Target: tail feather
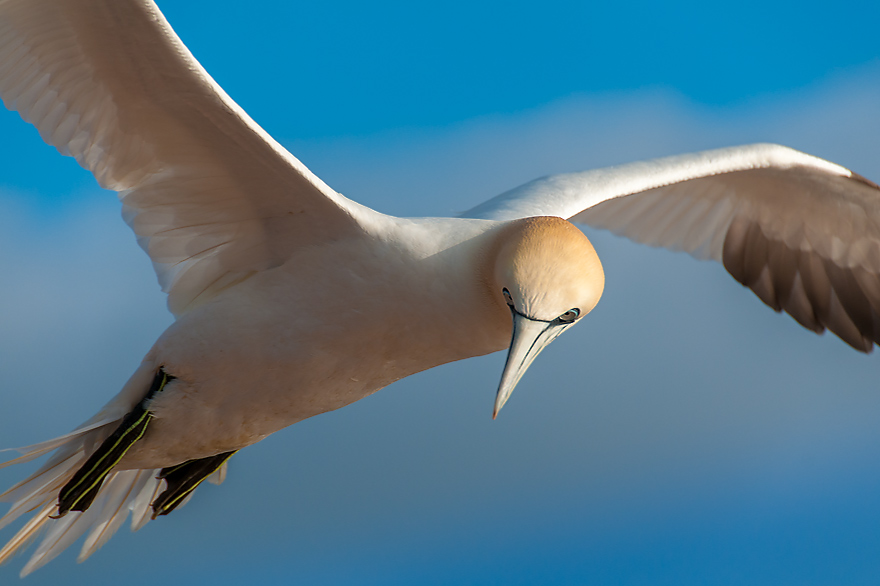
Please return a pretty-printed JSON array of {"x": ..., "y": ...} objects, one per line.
[
  {"x": 39, "y": 494},
  {"x": 59, "y": 534},
  {"x": 122, "y": 491},
  {"x": 141, "y": 511},
  {"x": 34, "y": 451},
  {"x": 219, "y": 476},
  {"x": 42, "y": 477},
  {"x": 26, "y": 534},
  {"x": 71, "y": 446},
  {"x": 44, "y": 484}
]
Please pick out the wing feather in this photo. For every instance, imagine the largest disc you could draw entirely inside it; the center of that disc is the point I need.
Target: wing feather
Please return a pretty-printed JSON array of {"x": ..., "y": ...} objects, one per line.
[{"x": 211, "y": 197}]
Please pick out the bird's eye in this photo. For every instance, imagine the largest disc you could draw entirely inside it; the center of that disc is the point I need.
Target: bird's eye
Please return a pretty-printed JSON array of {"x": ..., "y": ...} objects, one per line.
[
  {"x": 507, "y": 296},
  {"x": 569, "y": 316}
]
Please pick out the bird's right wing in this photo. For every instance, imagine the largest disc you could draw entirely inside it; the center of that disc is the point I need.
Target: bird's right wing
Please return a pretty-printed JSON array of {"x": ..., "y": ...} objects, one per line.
[
  {"x": 801, "y": 232},
  {"x": 211, "y": 197}
]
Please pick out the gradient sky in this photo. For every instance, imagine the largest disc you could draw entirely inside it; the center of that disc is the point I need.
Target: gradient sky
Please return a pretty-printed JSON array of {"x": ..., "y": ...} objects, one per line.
[{"x": 683, "y": 434}]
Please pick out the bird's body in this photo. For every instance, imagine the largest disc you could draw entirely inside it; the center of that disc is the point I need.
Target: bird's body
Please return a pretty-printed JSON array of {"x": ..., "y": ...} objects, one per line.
[
  {"x": 291, "y": 300},
  {"x": 400, "y": 304}
]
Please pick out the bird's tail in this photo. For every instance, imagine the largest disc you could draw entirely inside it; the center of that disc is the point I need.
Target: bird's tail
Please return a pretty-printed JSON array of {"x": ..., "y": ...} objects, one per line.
[{"x": 122, "y": 491}]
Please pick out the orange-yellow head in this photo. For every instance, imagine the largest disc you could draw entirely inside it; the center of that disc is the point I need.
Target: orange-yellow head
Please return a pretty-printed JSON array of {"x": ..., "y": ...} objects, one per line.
[{"x": 549, "y": 275}]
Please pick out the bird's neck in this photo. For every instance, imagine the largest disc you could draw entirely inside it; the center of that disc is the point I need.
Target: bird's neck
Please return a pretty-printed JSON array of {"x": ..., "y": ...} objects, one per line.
[{"x": 449, "y": 306}]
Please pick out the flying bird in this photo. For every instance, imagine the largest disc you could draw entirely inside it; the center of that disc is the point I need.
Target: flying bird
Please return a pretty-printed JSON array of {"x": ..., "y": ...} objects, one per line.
[{"x": 291, "y": 300}]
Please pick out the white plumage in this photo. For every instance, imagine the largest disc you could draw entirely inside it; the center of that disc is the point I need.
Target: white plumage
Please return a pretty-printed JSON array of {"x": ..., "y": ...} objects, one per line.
[{"x": 259, "y": 256}]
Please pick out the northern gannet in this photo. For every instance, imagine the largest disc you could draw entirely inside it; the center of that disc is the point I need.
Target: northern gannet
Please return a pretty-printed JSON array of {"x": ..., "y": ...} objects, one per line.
[{"x": 284, "y": 290}]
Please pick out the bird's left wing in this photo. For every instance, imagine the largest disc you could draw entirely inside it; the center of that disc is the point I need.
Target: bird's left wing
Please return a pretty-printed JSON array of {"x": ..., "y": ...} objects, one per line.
[
  {"x": 211, "y": 197},
  {"x": 801, "y": 232}
]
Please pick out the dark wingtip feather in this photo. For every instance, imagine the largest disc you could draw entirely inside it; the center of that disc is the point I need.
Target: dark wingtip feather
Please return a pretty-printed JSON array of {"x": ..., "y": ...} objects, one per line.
[{"x": 816, "y": 292}]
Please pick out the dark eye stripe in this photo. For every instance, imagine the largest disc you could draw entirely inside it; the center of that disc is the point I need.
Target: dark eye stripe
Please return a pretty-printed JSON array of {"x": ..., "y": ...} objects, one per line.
[{"x": 566, "y": 318}]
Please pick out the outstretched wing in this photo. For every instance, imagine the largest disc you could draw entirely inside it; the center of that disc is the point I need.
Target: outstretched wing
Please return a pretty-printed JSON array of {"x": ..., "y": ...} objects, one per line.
[
  {"x": 801, "y": 232},
  {"x": 211, "y": 197}
]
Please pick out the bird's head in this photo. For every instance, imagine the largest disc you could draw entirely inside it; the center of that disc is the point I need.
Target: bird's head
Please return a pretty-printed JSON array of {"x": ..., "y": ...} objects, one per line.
[{"x": 550, "y": 277}]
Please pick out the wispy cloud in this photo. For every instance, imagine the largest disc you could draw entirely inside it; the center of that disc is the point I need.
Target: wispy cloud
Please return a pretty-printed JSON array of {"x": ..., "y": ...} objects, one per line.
[{"x": 438, "y": 171}]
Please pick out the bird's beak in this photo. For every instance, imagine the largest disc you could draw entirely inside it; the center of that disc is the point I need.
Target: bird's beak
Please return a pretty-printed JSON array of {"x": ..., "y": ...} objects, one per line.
[{"x": 529, "y": 338}]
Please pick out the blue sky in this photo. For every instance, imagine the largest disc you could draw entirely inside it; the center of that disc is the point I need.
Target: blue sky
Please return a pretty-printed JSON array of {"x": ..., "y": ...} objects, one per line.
[{"x": 685, "y": 434}]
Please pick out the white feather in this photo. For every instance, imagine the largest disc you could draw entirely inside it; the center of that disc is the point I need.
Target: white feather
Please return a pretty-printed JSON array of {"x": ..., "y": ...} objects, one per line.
[
  {"x": 120, "y": 492},
  {"x": 219, "y": 475},
  {"x": 133, "y": 106},
  {"x": 27, "y": 533}
]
